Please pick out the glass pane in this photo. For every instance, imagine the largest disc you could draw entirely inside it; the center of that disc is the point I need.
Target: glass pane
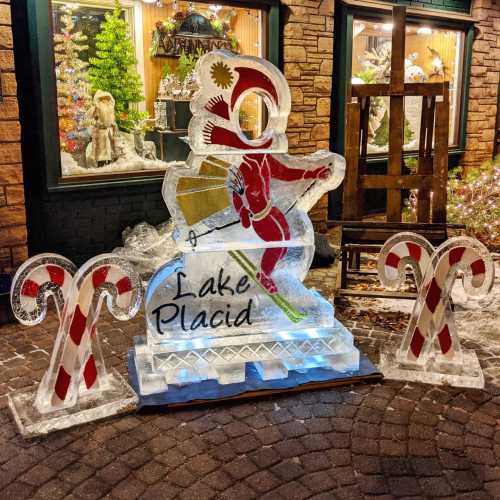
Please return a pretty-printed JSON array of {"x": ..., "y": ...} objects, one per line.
[
  {"x": 431, "y": 55},
  {"x": 116, "y": 122},
  {"x": 87, "y": 20}
]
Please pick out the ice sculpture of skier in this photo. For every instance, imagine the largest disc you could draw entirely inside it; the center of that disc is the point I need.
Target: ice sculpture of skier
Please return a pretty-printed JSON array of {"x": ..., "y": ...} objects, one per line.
[
  {"x": 250, "y": 182},
  {"x": 252, "y": 201},
  {"x": 235, "y": 295}
]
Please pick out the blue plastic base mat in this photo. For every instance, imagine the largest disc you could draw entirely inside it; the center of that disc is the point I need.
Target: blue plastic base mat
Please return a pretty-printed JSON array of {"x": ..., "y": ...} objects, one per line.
[{"x": 253, "y": 386}]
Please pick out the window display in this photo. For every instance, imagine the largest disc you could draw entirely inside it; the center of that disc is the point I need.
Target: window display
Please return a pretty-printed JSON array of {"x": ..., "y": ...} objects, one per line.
[
  {"x": 432, "y": 55},
  {"x": 126, "y": 111}
]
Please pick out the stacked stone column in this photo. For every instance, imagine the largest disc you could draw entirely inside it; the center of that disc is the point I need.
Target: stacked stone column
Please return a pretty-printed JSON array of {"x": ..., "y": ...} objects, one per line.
[
  {"x": 13, "y": 237},
  {"x": 308, "y": 66},
  {"x": 483, "y": 94}
]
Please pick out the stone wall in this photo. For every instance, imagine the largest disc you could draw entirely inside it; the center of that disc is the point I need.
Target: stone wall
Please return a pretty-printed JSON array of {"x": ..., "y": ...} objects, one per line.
[
  {"x": 485, "y": 73},
  {"x": 13, "y": 237},
  {"x": 308, "y": 65}
]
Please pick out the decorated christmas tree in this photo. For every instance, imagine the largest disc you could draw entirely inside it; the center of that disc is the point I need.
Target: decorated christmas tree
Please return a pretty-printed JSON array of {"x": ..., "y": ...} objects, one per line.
[
  {"x": 113, "y": 69},
  {"x": 72, "y": 87}
]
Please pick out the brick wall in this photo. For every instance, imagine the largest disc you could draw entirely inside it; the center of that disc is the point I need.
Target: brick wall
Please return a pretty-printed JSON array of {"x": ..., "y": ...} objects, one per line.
[
  {"x": 485, "y": 72},
  {"x": 13, "y": 249},
  {"x": 308, "y": 65},
  {"x": 97, "y": 219}
]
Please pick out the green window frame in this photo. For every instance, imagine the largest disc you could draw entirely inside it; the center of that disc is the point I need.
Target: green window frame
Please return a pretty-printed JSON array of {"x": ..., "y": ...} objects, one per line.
[
  {"x": 344, "y": 18},
  {"x": 43, "y": 80}
]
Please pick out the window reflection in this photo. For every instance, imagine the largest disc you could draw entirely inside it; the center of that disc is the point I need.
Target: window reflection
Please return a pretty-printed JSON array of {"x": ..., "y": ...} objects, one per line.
[
  {"x": 145, "y": 132},
  {"x": 431, "y": 55}
]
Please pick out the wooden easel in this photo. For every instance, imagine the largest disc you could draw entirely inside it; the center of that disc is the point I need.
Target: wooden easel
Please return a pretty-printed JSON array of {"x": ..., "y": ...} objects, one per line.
[{"x": 432, "y": 172}]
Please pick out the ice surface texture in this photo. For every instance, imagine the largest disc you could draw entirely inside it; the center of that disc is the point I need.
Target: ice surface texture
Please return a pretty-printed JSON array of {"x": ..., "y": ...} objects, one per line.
[
  {"x": 431, "y": 349},
  {"x": 76, "y": 381},
  {"x": 148, "y": 247},
  {"x": 235, "y": 294}
]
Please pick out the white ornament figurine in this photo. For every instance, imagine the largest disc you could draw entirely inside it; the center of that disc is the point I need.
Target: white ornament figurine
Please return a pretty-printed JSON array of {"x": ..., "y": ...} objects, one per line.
[
  {"x": 103, "y": 148},
  {"x": 431, "y": 350},
  {"x": 240, "y": 207},
  {"x": 77, "y": 387}
]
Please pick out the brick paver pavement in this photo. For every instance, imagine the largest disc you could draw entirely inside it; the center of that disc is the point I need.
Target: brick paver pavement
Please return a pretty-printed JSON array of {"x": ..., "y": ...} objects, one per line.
[{"x": 365, "y": 441}]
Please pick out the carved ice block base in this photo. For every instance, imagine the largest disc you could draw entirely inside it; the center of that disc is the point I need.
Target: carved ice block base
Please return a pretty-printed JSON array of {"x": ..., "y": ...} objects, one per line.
[
  {"x": 114, "y": 397},
  {"x": 274, "y": 354},
  {"x": 466, "y": 374}
]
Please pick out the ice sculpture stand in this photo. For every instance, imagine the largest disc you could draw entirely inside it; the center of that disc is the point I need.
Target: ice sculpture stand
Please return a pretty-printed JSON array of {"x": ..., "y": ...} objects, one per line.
[
  {"x": 431, "y": 350},
  {"x": 251, "y": 328},
  {"x": 114, "y": 398},
  {"x": 208, "y": 391},
  {"x": 76, "y": 388},
  {"x": 466, "y": 374},
  {"x": 235, "y": 296}
]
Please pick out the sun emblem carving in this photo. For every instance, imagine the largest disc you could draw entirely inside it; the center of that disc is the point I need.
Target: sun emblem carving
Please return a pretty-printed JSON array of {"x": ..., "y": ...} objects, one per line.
[{"x": 221, "y": 75}]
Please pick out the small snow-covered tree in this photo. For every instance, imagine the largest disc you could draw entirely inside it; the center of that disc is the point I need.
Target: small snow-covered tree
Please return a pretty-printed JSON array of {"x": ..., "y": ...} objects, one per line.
[{"x": 72, "y": 87}]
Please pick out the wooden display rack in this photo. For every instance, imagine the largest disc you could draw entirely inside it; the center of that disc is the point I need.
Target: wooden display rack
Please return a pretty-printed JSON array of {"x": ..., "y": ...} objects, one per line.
[{"x": 359, "y": 236}]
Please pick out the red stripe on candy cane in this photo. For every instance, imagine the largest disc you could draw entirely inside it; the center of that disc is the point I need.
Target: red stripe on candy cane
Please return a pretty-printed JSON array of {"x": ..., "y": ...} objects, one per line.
[
  {"x": 392, "y": 260},
  {"x": 444, "y": 338},
  {"x": 124, "y": 285},
  {"x": 478, "y": 267},
  {"x": 56, "y": 274},
  {"x": 90, "y": 372},
  {"x": 455, "y": 255},
  {"x": 30, "y": 288},
  {"x": 433, "y": 295},
  {"x": 77, "y": 328},
  {"x": 417, "y": 343},
  {"x": 62, "y": 383},
  {"x": 99, "y": 276},
  {"x": 414, "y": 250}
]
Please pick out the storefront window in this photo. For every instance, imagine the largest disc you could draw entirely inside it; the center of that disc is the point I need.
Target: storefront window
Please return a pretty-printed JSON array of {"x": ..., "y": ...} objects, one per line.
[
  {"x": 126, "y": 111},
  {"x": 431, "y": 55}
]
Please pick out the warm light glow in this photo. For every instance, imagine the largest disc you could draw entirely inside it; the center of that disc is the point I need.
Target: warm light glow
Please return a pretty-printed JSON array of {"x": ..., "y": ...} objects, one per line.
[
  {"x": 358, "y": 28},
  {"x": 215, "y": 8},
  {"x": 424, "y": 30},
  {"x": 387, "y": 27}
]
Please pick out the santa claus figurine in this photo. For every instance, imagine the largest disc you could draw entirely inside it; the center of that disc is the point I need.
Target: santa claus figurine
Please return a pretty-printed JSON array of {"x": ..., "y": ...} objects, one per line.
[{"x": 104, "y": 129}]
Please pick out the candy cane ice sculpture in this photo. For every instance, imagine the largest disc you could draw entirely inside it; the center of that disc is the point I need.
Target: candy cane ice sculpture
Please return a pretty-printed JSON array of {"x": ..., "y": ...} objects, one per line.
[
  {"x": 411, "y": 249},
  {"x": 431, "y": 349},
  {"x": 76, "y": 388}
]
